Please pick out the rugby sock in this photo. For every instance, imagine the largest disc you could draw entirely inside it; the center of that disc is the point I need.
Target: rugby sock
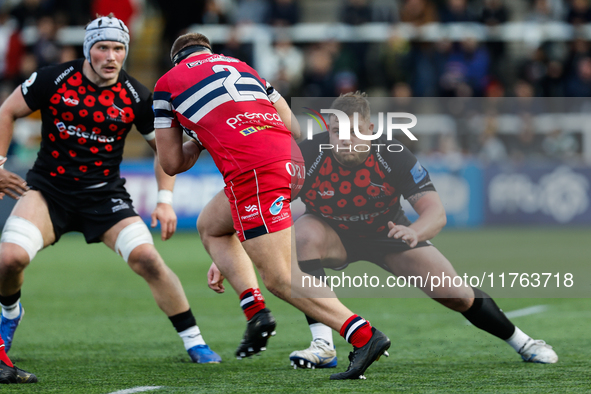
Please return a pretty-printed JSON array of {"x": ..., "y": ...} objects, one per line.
[
  {"x": 357, "y": 331},
  {"x": 251, "y": 301},
  {"x": 3, "y": 355},
  {"x": 322, "y": 331},
  {"x": 487, "y": 316},
  {"x": 186, "y": 326},
  {"x": 518, "y": 340},
  {"x": 319, "y": 330},
  {"x": 10, "y": 305}
]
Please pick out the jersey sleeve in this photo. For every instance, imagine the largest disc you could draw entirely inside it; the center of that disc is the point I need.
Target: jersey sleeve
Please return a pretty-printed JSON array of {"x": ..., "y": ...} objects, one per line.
[
  {"x": 36, "y": 89},
  {"x": 164, "y": 116},
  {"x": 412, "y": 177}
]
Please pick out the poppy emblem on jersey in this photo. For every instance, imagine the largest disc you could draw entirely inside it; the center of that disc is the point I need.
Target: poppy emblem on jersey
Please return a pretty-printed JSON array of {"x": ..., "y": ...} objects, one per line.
[{"x": 277, "y": 206}]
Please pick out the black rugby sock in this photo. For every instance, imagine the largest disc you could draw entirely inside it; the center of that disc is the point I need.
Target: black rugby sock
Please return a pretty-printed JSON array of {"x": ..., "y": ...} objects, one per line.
[
  {"x": 314, "y": 268},
  {"x": 183, "y": 320},
  {"x": 486, "y": 315}
]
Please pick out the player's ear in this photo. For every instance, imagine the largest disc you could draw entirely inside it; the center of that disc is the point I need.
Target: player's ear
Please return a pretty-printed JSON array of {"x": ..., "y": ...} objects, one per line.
[{"x": 371, "y": 127}]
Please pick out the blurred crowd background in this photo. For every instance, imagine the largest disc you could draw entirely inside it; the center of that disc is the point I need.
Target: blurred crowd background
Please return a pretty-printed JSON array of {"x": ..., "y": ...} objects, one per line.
[{"x": 322, "y": 48}]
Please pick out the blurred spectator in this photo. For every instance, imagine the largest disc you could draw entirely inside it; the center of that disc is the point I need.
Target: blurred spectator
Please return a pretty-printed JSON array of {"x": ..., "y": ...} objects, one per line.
[
  {"x": 393, "y": 63},
  {"x": 540, "y": 12},
  {"x": 418, "y": 12},
  {"x": 46, "y": 48},
  {"x": 402, "y": 90},
  {"x": 318, "y": 76},
  {"x": 235, "y": 48},
  {"x": 553, "y": 82},
  {"x": 456, "y": 11},
  {"x": 579, "y": 12},
  {"x": 533, "y": 70},
  {"x": 426, "y": 64},
  {"x": 72, "y": 12},
  {"x": 215, "y": 13},
  {"x": 68, "y": 53},
  {"x": 284, "y": 61},
  {"x": 28, "y": 11},
  {"x": 356, "y": 12},
  {"x": 494, "y": 13},
  {"x": 559, "y": 145},
  {"x": 526, "y": 146},
  {"x": 579, "y": 84},
  {"x": 11, "y": 46},
  {"x": 284, "y": 13},
  {"x": 252, "y": 11},
  {"x": 345, "y": 82},
  {"x": 492, "y": 149},
  {"x": 466, "y": 66}
]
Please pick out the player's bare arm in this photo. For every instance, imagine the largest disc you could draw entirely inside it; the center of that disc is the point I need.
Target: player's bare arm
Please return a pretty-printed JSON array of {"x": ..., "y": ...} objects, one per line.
[
  {"x": 430, "y": 222},
  {"x": 179, "y": 156},
  {"x": 163, "y": 211},
  {"x": 215, "y": 279},
  {"x": 288, "y": 118},
  {"x": 13, "y": 108}
]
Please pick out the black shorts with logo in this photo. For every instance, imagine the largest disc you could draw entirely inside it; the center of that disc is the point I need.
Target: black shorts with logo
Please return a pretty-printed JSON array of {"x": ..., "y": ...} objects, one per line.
[
  {"x": 375, "y": 248},
  {"x": 89, "y": 211}
]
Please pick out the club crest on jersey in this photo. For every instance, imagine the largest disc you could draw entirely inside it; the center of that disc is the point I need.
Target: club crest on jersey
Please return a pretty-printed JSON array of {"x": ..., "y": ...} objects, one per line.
[{"x": 277, "y": 206}]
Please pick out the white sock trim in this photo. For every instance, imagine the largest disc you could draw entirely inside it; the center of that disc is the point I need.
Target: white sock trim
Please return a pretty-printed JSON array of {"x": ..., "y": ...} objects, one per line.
[
  {"x": 321, "y": 331},
  {"x": 11, "y": 311},
  {"x": 191, "y": 337},
  {"x": 518, "y": 339}
]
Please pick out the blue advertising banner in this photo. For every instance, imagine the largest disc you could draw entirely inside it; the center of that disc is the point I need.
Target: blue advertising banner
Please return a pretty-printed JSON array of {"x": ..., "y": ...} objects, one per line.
[
  {"x": 192, "y": 191},
  {"x": 538, "y": 195}
]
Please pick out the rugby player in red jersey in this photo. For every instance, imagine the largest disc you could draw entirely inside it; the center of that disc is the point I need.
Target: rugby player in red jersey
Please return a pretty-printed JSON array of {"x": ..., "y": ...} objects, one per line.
[
  {"x": 88, "y": 107},
  {"x": 361, "y": 219},
  {"x": 14, "y": 186},
  {"x": 223, "y": 104}
]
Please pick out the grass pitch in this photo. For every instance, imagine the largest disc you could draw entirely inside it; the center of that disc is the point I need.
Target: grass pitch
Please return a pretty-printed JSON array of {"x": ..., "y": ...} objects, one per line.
[{"x": 91, "y": 326}]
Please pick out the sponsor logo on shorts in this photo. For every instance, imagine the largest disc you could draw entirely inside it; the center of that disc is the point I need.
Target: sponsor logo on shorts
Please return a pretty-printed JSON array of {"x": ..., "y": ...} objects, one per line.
[
  {"x": 120, "y": 204},
  {"x": 277, "y": 206},
  {"x": 251, "y": 208},
  {"x": 251, "y": 216}
]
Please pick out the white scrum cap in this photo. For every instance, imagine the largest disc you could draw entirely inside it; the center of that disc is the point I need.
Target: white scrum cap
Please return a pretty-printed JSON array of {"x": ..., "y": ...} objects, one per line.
[{"x": 105, "y": 28}]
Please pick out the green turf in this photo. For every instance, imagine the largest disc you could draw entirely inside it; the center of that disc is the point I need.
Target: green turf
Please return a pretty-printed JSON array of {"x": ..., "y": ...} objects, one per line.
[{"x": 91, "y": 326}]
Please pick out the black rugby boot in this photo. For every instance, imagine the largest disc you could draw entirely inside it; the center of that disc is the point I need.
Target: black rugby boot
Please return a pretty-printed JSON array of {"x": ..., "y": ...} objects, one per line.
[
  {"x": 362, "y": 357},
  {"x": 258, "y": 331}
]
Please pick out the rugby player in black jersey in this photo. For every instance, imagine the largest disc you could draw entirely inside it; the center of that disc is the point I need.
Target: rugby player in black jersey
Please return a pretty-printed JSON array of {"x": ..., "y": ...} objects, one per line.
[
  {"x": 353, "y": 213},
  {"x": 88, "y": 107}
]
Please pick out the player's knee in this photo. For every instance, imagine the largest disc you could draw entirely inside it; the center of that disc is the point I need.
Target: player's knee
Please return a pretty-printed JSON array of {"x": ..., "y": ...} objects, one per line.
[
  {"x": 131, "y": 237},
  {"x": 21, "y": 240},
  {"x": 310, "y": 242},
  {"x": 13, "y": 258},
  {"x": 278, "y": 284},
  {"x": 145, "y": 261}
]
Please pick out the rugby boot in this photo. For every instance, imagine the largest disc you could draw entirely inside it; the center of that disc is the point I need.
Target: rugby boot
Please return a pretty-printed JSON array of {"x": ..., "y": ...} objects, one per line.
[
  {"x": 202, "y": 354},
  {"x": 258, "y": 331},
  {"x": 10, "y": 375},
  {"x": 538, "y": 351},
  {"x": 8, "y": 327},
  {"x": 24, "y": 376},
  {"x": 362, "y": 357},
  {"x": 318, "y": 355}
]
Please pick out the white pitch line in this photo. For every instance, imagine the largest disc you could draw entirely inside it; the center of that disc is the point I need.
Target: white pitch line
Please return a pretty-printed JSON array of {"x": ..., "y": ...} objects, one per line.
[
  {"x": 139, "y": 389},
  {"x": 531, "y": 310}
]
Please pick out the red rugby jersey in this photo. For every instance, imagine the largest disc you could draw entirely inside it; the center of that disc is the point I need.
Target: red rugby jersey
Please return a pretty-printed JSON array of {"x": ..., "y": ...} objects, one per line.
[{"x": 222, "y": 103}]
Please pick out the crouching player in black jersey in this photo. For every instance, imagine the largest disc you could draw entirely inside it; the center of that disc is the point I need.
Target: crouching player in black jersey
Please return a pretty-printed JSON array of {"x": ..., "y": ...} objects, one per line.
[
  {"x": 88, "y": 107},
  {"x": 353, "y": 213}
]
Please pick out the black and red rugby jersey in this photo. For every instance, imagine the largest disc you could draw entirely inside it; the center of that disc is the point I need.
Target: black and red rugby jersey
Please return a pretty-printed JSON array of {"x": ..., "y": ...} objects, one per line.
[
  {"x": 84, "y": 126},
  {"x": 360, "y": 200}
]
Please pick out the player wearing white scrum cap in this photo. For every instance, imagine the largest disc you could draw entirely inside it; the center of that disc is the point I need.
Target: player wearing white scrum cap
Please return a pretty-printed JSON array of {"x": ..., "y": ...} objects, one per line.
[{"x": 88, "y": 107}]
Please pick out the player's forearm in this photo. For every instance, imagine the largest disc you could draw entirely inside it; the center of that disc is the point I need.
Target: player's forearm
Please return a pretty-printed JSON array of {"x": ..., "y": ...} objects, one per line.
[
  {"x": 288, "y": 117},
  {"x": 164, "y": 181},
  {"x": 6, "y": 130},
  {"x": 429, "y": 223}
]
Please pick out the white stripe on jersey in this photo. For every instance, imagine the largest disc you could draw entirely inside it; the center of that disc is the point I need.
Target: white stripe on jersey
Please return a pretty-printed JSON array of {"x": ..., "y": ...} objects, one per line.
[
  {"x": 162, "y": 104},
  {"x": 219, "y": 100},
  {"x": 200, "y": 94}
]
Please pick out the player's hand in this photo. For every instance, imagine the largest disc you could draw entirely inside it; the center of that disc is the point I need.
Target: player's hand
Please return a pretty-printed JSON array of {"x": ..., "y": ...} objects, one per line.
[
  {"x": 404, "y": 233},
  {"x": 165, "y": 214},
  {"x": 215, "y": 279},
  {"x": 11, "y": 184}
]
